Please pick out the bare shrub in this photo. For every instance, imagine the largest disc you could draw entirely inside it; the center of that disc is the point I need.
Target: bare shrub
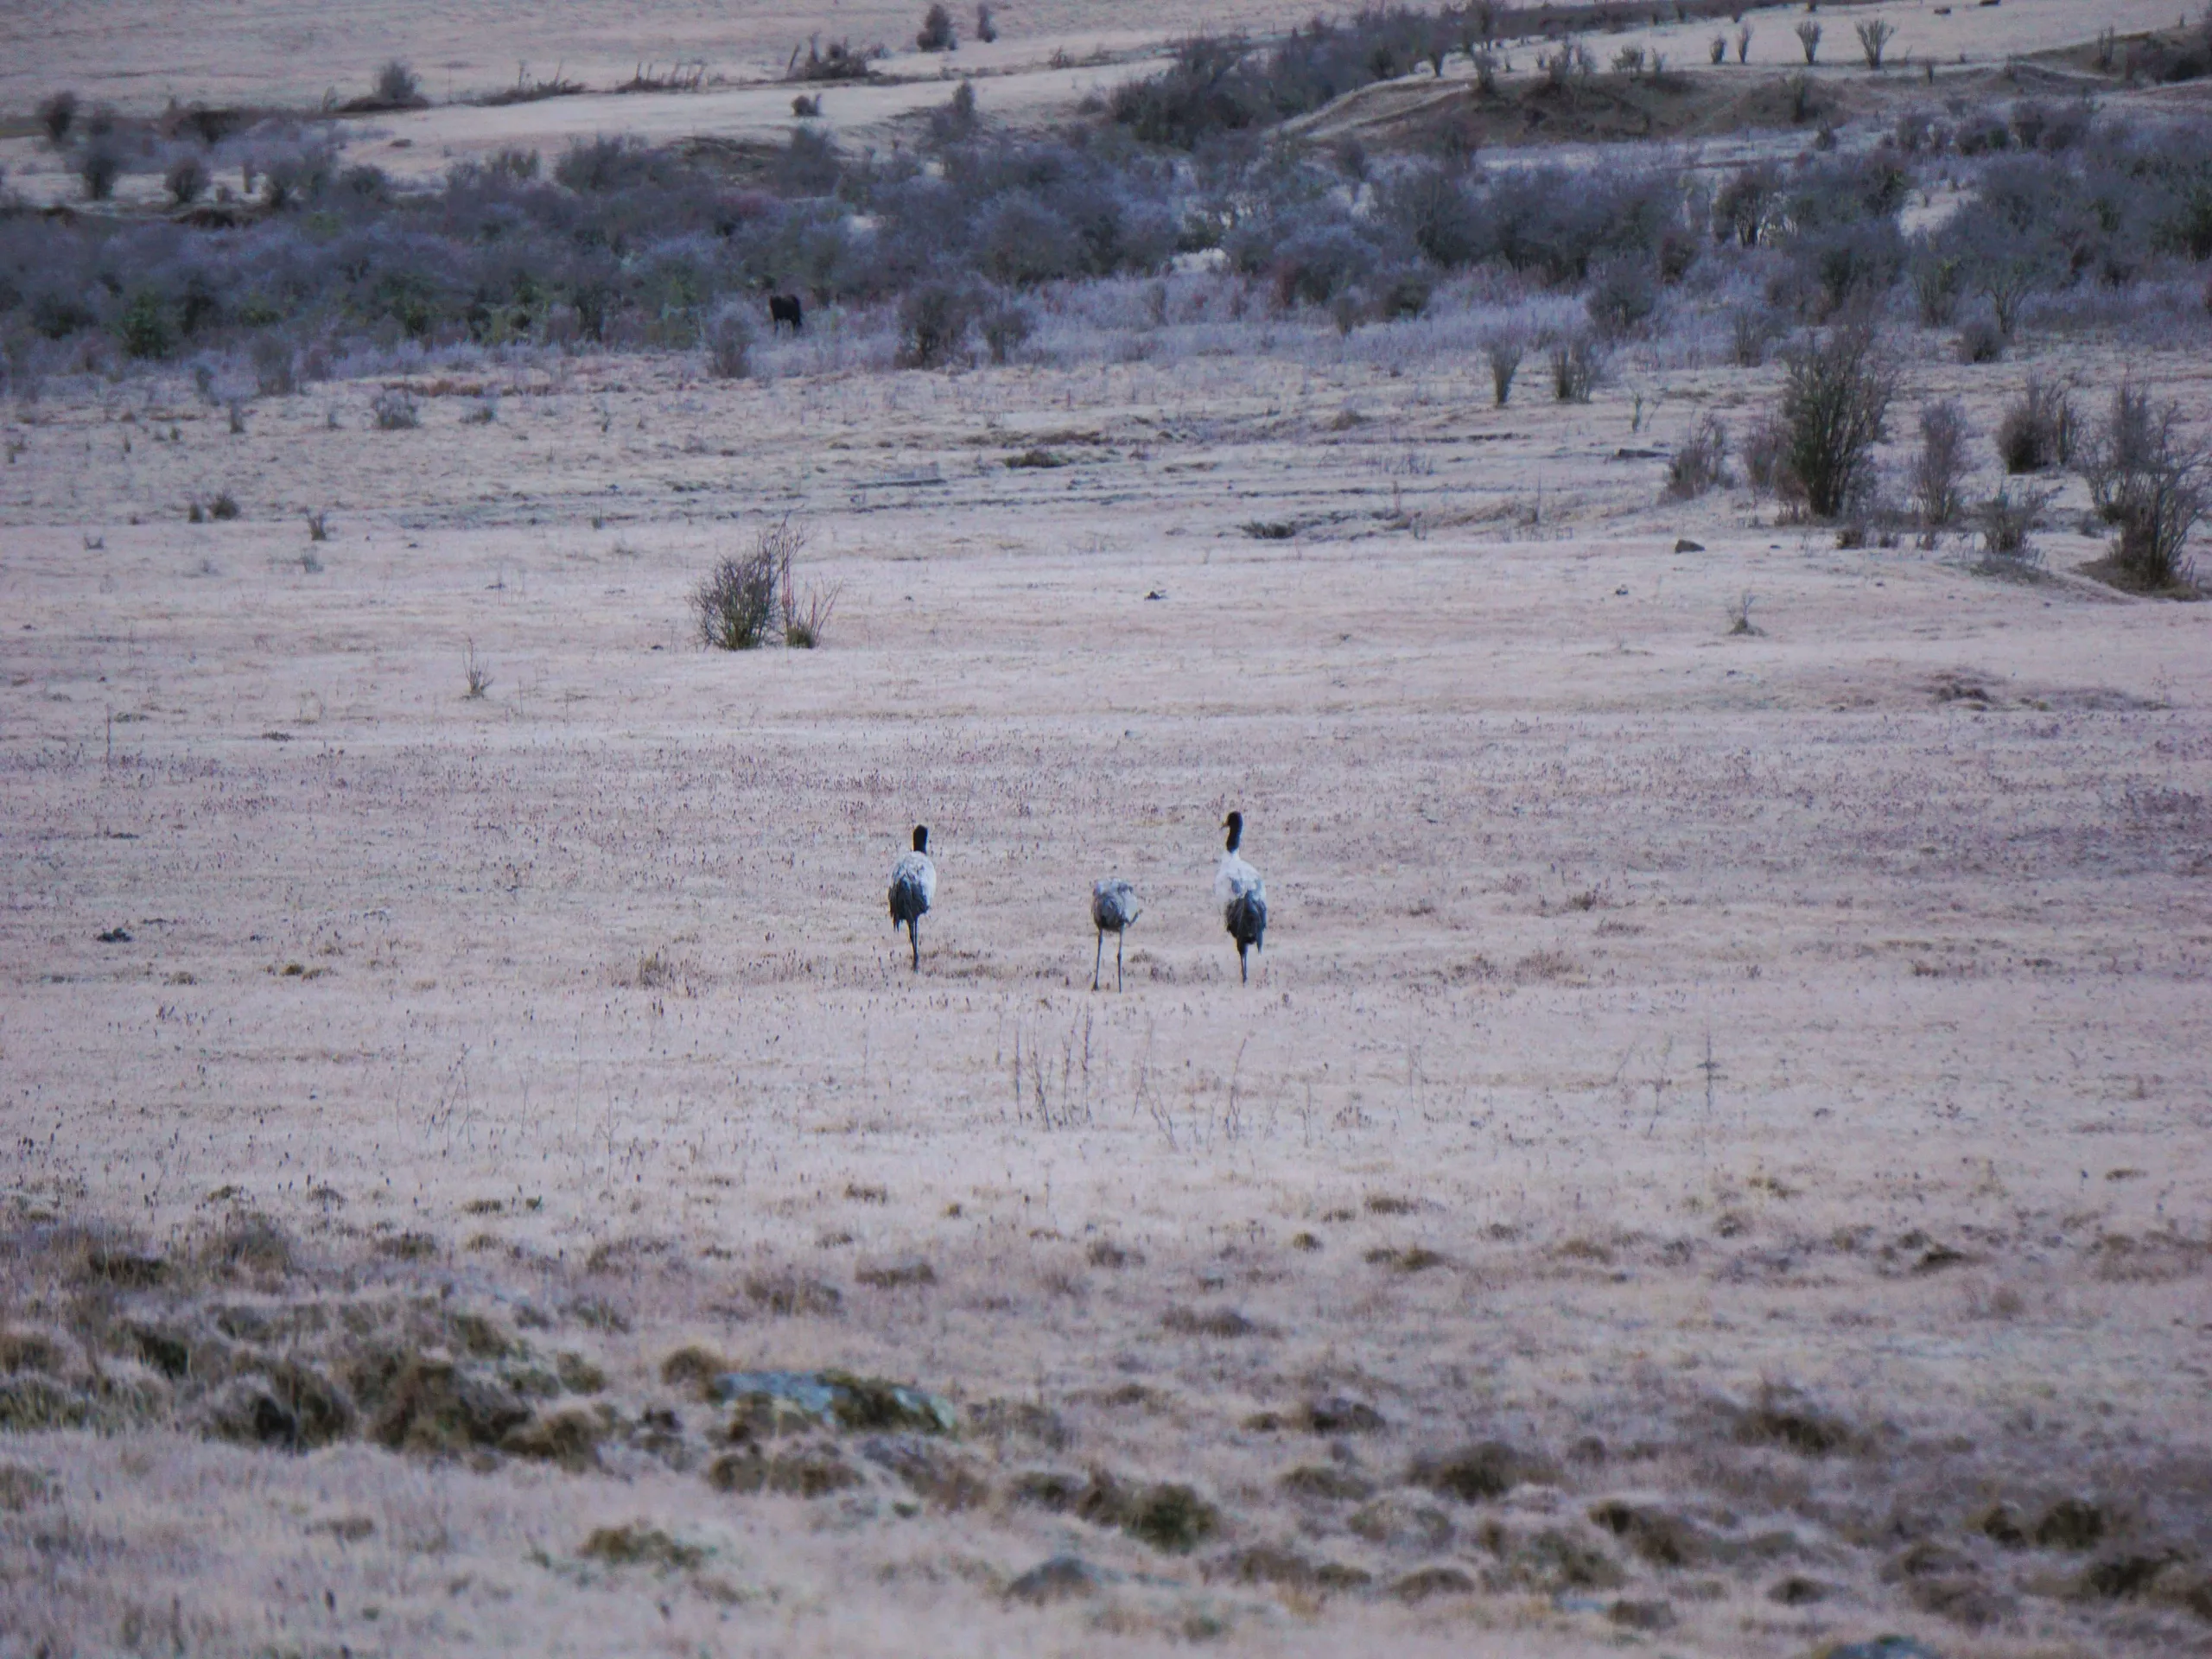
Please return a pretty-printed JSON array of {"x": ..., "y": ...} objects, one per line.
[
  {"x": 224, "y": 507},
  {"x": 2007, "y": 522},
  {"x": 187, "y": 180},
  {"x": 319, "y": 526},
  {"x": 1763, "y": 448},
  {"x": 57, "y": 113},
  {"x": 100, "y": 166},
  {"x": 1981, "y": 341},
  {"x": 476, "y": 671},
  {"x": 2152, "y": 482},
  {"x": 1874, "y": 38},
  {"x": 736, "y": 602},
  {"x": 276, "y": 372},
  {"x": 745, "y": 600},
  {"x": 2036, "y": 432},
  {"x": 1577, "y": 365},
  {"x": 1808, "y": 36},
  {"x": 1700, "y": 461},
  {"x": 1739, "y": 618},
  {"x": 485, "y": 411},
  {"x": 1007, "y": 329},
  {"x": 1719, "y": 49},
  {"x": 1797, "y": 87},
  {"x": 729, "y": 343},
  {"x": 1937, "y": 282},
  {"x": 397, "y": 86},
  {"x": 936, "y": 34},
  {"x": 1835, "y": 402},
  {"x": 1744, "y": 43},
  {"x": 1751, "y": 331},
  {"x": 933, "y": 323},
  {"x": 395, "y": 411},
  {"x": 1939, "y": 464},
  {"x": 1504, "y": 350},
  {"x": 236, "y": 410},
  {"x": 986, "y": 29}
]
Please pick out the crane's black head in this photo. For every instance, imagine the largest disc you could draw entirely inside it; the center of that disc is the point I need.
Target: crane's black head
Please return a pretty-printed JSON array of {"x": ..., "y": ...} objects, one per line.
[
  {"x": 921, "y": 838},
  {"x": 1235, "y": 824}
]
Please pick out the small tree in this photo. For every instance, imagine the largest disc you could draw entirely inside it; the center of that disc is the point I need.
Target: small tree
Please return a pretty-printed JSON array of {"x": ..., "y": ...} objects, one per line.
[
  {"x": 1873, "y": 38},
  {"x": 1940, "y": 464},
  {"x": 1744, "y": 44},
  {"x": 1835, "y": 403},
  {"x": 936, "y": 33},
  {"x": 1808, "y": 36},
  {"x": 1719, "y": 48},
  {"x": 1577, "y": 364},
  {"x": 986, "y": 30}
]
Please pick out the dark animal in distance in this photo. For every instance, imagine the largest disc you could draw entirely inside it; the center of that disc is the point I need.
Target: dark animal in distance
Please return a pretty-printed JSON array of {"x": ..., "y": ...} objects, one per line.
[
  {"x": 785, "y": 310},
  {"x": 913, "y": 888},
  {"x": 1243, "y": 897},
  {"x": 1113, "y": 907}
]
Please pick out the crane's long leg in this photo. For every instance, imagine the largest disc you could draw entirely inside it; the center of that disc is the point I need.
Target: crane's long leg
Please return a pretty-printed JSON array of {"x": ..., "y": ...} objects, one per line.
[
  {"x": 1118, "y": 938},
  {"x": 1243, "y": 973},
  {"x": 1098, "y": 960},
  {"x": 914, "y": 939}
]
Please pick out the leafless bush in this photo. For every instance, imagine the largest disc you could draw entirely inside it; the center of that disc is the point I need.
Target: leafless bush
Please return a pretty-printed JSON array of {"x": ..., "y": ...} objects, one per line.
[
  {"x": 986, "y": 29},
  {"x": 2149, "y": 480},
  {"x": 1751, "y": 331},
  {"x": 57, "y": 113},
  {"x": 1939, "y": 464},
  {"x": 933, "y": 323},
  {"x": 224, "y": 507},
  {"x": 275, "y": 372},
  {"x": 729, "y": 343},
  {"x": 1700, "y": 461},
  {"x": 1808, "y": 36},
  {"x": 936, "y": 33},
  {"x": 1007, "y": 327},
  {"x": 745, "y": 599},
  {"x": 1798, "y": 86},
  {"x": 1980, "y": 341},
  {"x": 1504, "y": 350},
  {"x": 1739, "y": 617},
  {"x": 477, "y": 671},
  {"x": 319, "y": 526},
  {"x": 485, "y": 411},
  {"x": 395, "y": 411},
  {"x": 1577, "y": 365},
  {"x": 397, "y": 86},
  {"x": 1744, "y": 43},
  {"x": 187, "y": 180},
  {"x": 2007, "y": 521},
  {"x": 236, "y": 412},
  {"x": 1873, "y": 38},
  {"x": 1764, "y": 448},
  {"x": 1936, "y": 283},
  {"x": 1719, "y": 49},
  {"x": 2036, "y": 432},
  {"x": 100, "y": 166},
  {"x": 1835, "y": 402}
]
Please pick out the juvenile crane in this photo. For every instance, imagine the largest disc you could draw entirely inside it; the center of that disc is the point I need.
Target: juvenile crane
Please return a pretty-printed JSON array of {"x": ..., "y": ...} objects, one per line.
[
  {"x": 913, "y": 886},
  {"x": 1113, "y": 907},
  {"x": 1243, "y": 897}
]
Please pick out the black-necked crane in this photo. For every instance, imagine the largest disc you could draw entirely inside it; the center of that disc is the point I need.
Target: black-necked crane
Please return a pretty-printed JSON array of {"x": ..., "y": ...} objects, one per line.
[
  {"x": 914, "y": 888},
  {"x": 1113, "y": 907},
  {"x": 1243, "y": 897}
]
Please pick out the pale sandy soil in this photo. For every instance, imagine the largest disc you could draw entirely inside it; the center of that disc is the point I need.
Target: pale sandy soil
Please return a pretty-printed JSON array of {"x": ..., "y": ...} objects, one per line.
[{"x": 1810, "y": 1018}]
